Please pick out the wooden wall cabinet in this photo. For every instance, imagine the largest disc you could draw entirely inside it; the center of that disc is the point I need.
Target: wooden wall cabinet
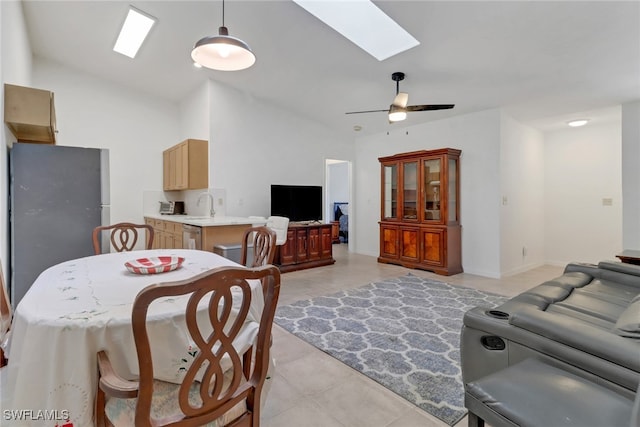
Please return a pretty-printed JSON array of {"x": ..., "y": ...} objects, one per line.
[
  {"x": 420, "y": 210},
  {"x": 307, "y": 246},
  {"x": 30, "y": 114},
  {"x": 186, "y": 166}
]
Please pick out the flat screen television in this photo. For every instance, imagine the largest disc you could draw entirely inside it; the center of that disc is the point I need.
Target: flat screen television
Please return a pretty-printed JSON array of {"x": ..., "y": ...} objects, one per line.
[{"x": 297, "y": 202}]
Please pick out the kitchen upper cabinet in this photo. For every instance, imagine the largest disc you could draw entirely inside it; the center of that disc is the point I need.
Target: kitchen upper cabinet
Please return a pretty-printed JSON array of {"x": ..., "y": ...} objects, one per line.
[
  {"x": 186, "y": 166},
  {"x": 30, "y": 114},
  {"x": 420, "y": 210}
]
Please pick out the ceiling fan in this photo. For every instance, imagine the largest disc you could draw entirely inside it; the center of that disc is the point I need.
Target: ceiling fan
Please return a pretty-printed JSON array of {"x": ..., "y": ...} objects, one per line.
[{"x": 398, "y": 109}]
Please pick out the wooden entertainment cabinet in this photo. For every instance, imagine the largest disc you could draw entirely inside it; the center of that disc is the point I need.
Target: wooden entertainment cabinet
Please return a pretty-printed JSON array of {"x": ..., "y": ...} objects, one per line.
[
  {"x": 308, "y": 245},
  {"x": 420, "y": 212}
]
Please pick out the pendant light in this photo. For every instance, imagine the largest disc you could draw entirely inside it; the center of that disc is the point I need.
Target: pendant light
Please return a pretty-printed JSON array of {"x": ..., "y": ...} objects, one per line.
[{"x": 223, "y": 52}]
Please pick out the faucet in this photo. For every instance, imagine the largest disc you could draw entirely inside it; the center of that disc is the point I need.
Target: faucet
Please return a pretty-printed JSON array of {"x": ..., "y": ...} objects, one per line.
[{"x": 212, "y": 212}]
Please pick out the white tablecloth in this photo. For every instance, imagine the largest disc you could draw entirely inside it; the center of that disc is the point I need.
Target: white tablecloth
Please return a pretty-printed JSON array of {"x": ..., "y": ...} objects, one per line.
[{"x": 79, "y": 307}]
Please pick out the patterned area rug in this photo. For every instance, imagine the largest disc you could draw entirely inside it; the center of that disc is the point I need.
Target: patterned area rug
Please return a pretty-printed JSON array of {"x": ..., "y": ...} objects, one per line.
[{"x": 403, "y": 333}]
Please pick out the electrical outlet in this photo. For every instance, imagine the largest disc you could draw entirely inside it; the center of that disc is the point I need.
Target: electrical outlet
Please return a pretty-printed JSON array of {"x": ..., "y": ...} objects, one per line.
[
  {"x": 607, "y": 201},
  {"x": 505, "y": 200},
  {"x": 220, "y": 201}
]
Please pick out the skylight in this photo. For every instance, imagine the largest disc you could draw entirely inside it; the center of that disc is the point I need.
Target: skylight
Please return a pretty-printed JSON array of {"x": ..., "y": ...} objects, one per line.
[
  {"x": 135, "y": 29},
  {"x": 364, "y": 24}
]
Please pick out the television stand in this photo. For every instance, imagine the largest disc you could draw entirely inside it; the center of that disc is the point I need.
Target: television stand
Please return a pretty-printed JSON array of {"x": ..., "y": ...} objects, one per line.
[{"x": 308, "y": 245}]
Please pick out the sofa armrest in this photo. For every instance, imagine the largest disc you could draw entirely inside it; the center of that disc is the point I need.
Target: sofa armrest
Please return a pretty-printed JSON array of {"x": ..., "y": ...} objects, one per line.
[{"x": 579, "y": 335}]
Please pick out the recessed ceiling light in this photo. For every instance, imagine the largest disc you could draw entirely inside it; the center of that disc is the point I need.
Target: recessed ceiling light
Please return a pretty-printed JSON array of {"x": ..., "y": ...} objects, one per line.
[
  {"x": 364, "y": 24},
  {"x": 578, "y": 123},
  {"x": 135, "y": 29},
  {"x": 357, "y": 128}
]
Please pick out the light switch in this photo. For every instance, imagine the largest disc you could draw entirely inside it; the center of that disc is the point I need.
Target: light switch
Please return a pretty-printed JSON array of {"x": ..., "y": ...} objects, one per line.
[{"x": 504, "y": 200}]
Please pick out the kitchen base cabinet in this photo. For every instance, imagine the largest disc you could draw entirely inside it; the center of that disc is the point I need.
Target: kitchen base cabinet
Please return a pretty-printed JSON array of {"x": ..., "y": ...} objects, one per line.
[
  {"x": 166, "y": 234},
  {"x": 307, "y": 246},
  {"x": 223, "y": 235}
]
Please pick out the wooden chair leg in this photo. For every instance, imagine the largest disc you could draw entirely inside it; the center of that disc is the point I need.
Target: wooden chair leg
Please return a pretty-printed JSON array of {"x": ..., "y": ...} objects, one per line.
[
  {"x": 99, "y": 413},
  {"x": 474, "y": 420}
]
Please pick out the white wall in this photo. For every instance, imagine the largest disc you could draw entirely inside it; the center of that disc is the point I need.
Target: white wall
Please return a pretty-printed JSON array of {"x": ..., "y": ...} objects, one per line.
[
  {"x": 478, "y": 136},
  {"x": 582, "y": 166},
  {"x": 631, "y": 175},
  {"x": 254, "y": 144},
  {"x": 15, "y": 68},
  {"x": 194, "y": 114},
  {"x": 522, "y": 201},
  {"x": 134, "y": 126}
]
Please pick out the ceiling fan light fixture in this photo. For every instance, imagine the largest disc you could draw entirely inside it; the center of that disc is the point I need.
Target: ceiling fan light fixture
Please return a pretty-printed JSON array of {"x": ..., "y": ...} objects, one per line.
[
  {"x": 223, "y": 52},
  {"x": 397, "y": 114}
]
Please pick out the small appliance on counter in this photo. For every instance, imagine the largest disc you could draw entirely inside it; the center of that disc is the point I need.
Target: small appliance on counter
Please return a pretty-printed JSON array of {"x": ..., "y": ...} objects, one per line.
[{"x": 172, "y": 208}]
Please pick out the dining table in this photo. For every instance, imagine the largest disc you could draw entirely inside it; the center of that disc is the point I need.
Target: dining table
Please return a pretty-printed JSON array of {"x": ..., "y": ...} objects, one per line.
[{"x": 79, "y": 307}]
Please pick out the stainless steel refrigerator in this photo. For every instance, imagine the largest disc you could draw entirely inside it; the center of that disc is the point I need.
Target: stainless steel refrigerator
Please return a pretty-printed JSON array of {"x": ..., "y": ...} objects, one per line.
[{"x": 58, "y": 195}]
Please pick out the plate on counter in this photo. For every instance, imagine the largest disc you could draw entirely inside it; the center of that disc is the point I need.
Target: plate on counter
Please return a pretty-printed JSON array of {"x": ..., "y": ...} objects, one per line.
[{"x": 154, "y": 265}]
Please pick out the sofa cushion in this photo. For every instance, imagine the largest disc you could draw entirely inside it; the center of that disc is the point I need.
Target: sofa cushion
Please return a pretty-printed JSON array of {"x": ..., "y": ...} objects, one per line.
[{"x": 628, "y": 324}]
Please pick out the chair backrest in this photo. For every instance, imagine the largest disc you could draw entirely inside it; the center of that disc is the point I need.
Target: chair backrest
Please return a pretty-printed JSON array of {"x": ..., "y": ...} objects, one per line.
[
  {"x": 262, "y": 239},
  {"x": 224, "y": 290},
  {"x": 5, "y": 316},
  {"x": 123, "y": 236},
  {"x": 279, "y": 224}
]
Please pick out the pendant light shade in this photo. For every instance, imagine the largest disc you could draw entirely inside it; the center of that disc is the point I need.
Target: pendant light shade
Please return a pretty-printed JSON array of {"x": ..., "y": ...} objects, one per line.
[{"x": 223, "y": 52}]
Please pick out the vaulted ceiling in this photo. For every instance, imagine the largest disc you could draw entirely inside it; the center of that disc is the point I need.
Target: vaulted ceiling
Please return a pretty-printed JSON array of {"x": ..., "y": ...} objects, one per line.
[{"x": 542, "y": 61}]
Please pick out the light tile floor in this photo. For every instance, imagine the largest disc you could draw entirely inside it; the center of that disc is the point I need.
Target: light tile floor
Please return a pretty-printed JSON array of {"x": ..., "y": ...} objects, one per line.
[{"x": 313, "y": 389}]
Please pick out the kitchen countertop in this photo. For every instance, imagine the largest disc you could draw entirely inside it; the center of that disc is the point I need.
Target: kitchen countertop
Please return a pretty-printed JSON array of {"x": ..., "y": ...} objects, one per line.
[{"x": 205, "y": 221}]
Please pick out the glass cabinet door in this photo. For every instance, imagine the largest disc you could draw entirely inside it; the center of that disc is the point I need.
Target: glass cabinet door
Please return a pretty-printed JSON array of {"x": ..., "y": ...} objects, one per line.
[
  {"x": 390, "y": 191},
  {"x": 431, "y": 190},
  {"x": 453, "y": 190},
  {"x": 410, "y": 190}
]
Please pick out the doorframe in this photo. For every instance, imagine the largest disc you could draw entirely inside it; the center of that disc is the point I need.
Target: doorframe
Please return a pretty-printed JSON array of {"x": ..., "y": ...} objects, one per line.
[{"x": 328, "y": 201}]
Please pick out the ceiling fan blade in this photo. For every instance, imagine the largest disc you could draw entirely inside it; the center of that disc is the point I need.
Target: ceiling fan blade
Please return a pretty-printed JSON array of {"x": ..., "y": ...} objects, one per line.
[
  {"x": 370, "y": 111},
  {"x": 401, "y": 99},
  {"x": 430, "y": 107}
]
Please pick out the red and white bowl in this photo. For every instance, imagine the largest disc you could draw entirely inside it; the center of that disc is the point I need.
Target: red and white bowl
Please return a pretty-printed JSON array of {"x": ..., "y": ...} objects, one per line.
[{"x": 154, "y": 265}]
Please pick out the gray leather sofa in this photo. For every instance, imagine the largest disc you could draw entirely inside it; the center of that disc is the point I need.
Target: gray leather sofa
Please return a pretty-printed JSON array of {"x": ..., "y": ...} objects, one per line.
[{"x": 566, "y": 352}]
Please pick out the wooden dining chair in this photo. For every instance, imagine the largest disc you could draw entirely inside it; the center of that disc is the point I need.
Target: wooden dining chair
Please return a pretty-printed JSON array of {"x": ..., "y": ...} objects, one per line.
[
  {"x": 5, "y": 319},
  {"x": 220, "y": 387},
  {"x": 262, "y": 240},
  {"x": 123, "y": 236},
  {"x": 279, "y": 224}
]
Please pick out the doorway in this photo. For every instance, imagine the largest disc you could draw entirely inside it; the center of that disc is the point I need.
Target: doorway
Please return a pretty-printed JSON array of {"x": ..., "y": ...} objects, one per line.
[{"x": 338, "y": 207}]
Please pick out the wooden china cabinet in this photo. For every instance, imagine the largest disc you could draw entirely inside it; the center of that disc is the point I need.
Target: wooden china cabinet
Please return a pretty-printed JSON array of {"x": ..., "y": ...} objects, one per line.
[{"x": 420, "y": 212}]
